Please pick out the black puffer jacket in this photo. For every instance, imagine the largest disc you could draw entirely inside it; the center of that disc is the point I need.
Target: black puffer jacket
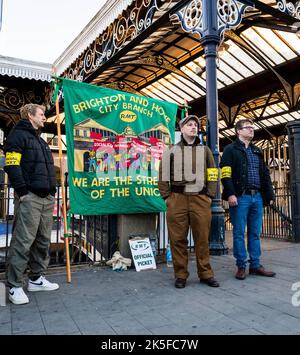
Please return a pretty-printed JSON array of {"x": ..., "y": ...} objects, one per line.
[
  {"x": 234, "y": 172},
  {"x": 29, "y": 162}
]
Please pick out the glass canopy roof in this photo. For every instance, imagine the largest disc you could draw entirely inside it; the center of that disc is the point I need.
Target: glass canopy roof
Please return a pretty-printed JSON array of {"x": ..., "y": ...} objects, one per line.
[
  {"x": 257, "y": 76},
  {"x": 235, "y": 64},
  {"x": 267, "y": 48}
]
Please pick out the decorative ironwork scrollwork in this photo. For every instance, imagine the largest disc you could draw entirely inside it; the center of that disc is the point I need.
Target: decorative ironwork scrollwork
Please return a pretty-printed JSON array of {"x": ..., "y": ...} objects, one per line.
[
  {"x": 229, "y": 12},
  {"x": 124, "y": 29},
  {"x": 292, "y": 9},
  {"x": 123, "y": 86},
  {"x": 14, "y": 99},
  {"x": 158, "y": 61},
  {"x": 190, "y": 17}
]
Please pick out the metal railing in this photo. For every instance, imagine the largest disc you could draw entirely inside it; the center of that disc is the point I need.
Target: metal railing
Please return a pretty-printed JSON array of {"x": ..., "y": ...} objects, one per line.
[
  {"x": 277, "y": 219},
  {"x": 92, "y": 238}
]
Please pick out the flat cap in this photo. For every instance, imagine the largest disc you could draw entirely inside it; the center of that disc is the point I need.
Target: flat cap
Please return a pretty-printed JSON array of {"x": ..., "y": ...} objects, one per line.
[{"x": 188, "y": 118}]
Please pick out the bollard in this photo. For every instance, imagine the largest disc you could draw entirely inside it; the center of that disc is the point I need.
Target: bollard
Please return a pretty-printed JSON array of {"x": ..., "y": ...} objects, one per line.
[{"x": 2, "y": 295}]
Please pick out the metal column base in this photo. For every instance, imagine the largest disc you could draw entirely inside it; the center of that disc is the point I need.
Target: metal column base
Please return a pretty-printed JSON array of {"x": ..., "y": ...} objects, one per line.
[{"x": 217, "y": 243}]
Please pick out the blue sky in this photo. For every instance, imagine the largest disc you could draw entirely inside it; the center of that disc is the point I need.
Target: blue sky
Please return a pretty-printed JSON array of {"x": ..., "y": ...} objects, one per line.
[{"x": 40, "y": 30}]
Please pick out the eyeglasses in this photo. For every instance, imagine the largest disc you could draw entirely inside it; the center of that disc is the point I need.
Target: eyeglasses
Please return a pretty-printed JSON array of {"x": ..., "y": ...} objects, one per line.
[{"x": 247, "y": 127}]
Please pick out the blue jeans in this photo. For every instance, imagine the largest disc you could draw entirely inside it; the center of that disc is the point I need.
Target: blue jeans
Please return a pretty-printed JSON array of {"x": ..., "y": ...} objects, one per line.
[{"x": 249, "y": 212}]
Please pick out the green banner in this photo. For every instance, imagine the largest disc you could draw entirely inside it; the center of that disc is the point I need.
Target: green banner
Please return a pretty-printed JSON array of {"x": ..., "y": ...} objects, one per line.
[{"x": 115, "y": 142}]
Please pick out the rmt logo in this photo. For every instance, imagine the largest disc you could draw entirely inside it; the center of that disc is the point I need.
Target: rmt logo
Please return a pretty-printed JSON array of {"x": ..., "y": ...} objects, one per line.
[{"x": 2, "y": 295}]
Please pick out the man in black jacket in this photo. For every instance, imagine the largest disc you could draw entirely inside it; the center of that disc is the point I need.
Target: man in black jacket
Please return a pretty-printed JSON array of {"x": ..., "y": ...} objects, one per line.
[
  {"x": 247, "y": 187},
  {"x": 30, "y": 168}
]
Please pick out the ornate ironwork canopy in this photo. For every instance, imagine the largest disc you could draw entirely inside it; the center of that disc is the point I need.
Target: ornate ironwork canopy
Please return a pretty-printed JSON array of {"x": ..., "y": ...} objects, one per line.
[
  {"x": 154, "y": 48},
  {"x": 21, "y": 82}
]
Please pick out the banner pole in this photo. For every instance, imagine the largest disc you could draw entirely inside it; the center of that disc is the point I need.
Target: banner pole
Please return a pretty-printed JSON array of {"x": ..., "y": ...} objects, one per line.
[{"x": 64, "y": 205}]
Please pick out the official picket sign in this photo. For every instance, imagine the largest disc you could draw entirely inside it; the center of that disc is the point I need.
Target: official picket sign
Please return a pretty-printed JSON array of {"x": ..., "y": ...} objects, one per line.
[{"x": 142, "y": 254}]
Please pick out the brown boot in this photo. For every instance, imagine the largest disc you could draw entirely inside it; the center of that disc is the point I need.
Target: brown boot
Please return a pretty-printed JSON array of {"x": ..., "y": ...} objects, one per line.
[
  {"x": 241, "y": 274},
  {"x": 180, "y": 283},
  {"x": 211, "y": 281},
  {"x": 261, "y": 272}
]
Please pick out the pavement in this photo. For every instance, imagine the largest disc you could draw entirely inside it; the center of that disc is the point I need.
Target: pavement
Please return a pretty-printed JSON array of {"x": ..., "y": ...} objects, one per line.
[{"x": 100, "y": 301}]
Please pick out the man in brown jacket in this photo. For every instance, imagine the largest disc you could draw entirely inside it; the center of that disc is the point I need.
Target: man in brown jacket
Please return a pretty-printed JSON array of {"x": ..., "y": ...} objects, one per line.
[{"x": 188, "y": 181}]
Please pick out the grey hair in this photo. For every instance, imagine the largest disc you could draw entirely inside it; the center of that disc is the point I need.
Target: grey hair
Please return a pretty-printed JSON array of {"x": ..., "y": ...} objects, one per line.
[{"x": 30, "y": 109}]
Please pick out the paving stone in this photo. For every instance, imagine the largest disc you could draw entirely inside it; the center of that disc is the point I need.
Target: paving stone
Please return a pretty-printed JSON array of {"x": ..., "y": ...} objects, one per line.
[
  {"x": 247, "y": 318},
  {"x": 287, "y": 308},
  {"x": 5, "y": 314},
  {"x": 123, "y": 320},
  {"x": 92, "y": 323},
  {"x": 64, "y": 328},
  {"x": 102, "y": 302},
  {"x": 25, "y": 320},
  {"x": 290, "y": 322},
  {"x": 131, "y": 330},
  {"x": 227, "y": 325},
  {"x": 186, "y": 330},
  {"x": 94, "y": 329},
  {"x": 248, "y": 331},
  {"x": 41, "y": 331},
  {"x": 5, "y": 328},
  {"x": 150, "y": 319},
  {"x": 273, "y": 328}
]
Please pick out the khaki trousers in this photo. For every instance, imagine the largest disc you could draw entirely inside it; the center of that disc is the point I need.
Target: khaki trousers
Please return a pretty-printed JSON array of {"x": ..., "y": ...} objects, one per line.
[
  {"x": 184, "y": 211},
  {"x": 31, "y": 236}
]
